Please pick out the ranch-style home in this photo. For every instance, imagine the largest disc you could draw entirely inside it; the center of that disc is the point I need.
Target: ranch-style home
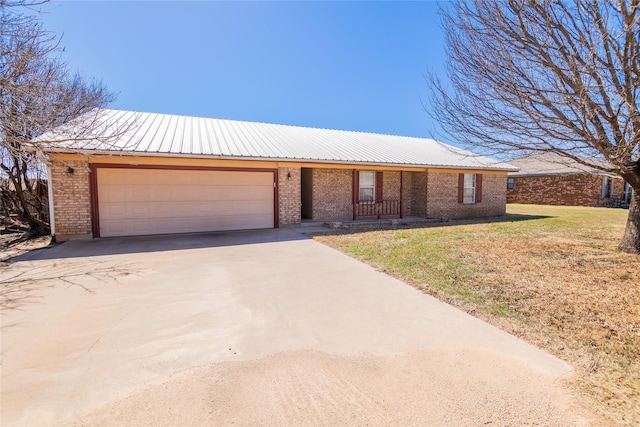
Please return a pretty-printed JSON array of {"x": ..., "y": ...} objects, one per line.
[
  {"x": 549, "y": 179},
  {"x": 162, "y": 173}
]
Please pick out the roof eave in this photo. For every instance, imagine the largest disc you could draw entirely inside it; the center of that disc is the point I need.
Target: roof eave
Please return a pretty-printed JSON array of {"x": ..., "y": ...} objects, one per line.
[{"x": 271, "y": 159}]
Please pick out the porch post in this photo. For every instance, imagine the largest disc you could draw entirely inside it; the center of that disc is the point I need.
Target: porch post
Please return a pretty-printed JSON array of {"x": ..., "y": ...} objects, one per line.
[
  {"x": 401, "y": 194},
  {"x": 354, "y": 195}
]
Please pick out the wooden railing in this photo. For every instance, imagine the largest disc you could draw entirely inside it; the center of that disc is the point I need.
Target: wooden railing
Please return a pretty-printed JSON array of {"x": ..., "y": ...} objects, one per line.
[{"x": 377, "y": 209}]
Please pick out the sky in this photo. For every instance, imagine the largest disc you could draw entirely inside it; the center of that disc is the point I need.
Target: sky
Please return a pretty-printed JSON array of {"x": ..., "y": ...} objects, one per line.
[{"x": 341, "y": 65}]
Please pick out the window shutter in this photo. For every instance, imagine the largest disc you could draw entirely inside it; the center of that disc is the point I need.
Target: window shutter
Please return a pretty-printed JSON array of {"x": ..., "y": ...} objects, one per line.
[
  {"x": 460, "y": 188},
  {"x": 478, "y": 188},
  {"x": 379, "y": 186}
]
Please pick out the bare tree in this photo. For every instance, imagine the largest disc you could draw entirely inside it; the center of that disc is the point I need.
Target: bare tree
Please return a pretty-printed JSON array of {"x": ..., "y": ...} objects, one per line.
[
  {"x": 37, "y": 94},
  {"x": 550, "y": 76}
]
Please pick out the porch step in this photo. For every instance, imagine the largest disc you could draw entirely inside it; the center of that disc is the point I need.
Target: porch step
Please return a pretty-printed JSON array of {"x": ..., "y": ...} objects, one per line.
[{"x": 312, "y": 224}]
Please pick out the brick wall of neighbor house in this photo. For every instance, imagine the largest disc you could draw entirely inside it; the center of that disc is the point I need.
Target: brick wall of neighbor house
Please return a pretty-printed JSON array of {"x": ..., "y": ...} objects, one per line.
[
  {"x": 71, "y": 200},
  {"x": 442, "y": 196},
  {"x": 569, "y": 190},
  {"x": 618, "y": 188},
  {"x": 332, "y": 190},
  {"x": 418, "y": 192},
  {"x": 289, "y": 195}
]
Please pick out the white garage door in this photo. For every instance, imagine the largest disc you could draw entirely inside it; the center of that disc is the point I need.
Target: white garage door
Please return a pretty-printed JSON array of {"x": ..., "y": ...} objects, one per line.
[{"x": 157, "y": 201}]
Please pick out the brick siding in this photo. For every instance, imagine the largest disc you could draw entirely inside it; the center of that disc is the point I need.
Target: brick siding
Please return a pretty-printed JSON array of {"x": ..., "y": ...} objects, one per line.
[
  {"x": 391, "y": 188},
  {"x": 569, "y": 190},
  {"x": 391, "y": 185},
  {"x": 407, "y": 182},
  {"x": 426, "y": 194},
  {"x": 332, "y": 194},
  {"x": 442, "y": 196},
  {"x": 71, "y": 201},
  {"x": 289, "y": 196},
  {"x": 418, "y": 205}
]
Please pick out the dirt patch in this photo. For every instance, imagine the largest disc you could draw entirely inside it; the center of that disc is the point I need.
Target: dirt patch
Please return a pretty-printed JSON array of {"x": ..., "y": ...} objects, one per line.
[{"x": 462, "y": 388}]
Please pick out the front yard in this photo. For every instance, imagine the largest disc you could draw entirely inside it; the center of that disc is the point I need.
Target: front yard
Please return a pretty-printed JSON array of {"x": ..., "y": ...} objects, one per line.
[{"x": 548, "y": 274}]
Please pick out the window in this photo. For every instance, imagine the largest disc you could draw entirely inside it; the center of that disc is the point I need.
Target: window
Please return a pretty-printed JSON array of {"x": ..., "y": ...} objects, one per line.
[
  {"x": 628, "y": 190},
  {"x": 367, "y": 191},
  {"x": 510, "y": 183},
  {"x": 607, "y": 187},
  {"x": 469, "y": 189}
]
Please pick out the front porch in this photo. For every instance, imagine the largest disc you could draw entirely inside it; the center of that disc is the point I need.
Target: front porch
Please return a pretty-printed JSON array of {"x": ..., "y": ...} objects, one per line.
[
  {"x": 371, "y": 223},
  {"x": 353, "y": 194}
]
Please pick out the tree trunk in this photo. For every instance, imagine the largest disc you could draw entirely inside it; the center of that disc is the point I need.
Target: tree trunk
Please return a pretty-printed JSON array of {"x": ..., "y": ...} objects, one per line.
[{"x": 631, "y": 240}]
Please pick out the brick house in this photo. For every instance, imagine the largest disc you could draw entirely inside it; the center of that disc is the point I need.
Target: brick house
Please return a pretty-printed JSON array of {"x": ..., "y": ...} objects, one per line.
[
  {"x": 548, "y": 179},
  {"x": 175, "y": 174}
]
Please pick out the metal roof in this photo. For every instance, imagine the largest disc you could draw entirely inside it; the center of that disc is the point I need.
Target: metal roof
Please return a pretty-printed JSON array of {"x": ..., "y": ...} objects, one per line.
[
  {"x": 153, "y": 134},
  {"x": 552, "y": 164}
]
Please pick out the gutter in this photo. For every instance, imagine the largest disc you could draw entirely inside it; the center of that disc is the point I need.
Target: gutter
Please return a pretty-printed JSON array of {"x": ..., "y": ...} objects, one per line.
[{"x": 278, "y": 159}]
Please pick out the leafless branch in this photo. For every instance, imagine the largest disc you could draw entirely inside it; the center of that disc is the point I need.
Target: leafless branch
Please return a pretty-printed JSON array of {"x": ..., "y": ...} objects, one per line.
[
  {"x": 549, "y": 76},
  {"x": 38, "y": 98}
]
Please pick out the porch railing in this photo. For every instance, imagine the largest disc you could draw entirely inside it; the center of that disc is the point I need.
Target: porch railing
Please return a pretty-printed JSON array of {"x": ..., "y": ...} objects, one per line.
[{"x": 377, "y": 209}]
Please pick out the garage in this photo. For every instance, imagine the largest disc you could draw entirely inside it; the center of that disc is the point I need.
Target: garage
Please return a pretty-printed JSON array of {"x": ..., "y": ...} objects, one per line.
[{"x": 139, "y": 201}]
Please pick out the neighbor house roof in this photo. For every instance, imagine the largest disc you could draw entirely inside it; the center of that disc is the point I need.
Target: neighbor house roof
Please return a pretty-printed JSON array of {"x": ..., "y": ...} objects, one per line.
[
  {"x": 152, "y": 134},
  {"x": 552, "y": 164}
]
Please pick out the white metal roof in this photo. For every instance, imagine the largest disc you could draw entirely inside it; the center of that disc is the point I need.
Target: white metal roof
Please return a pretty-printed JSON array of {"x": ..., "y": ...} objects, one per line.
[{"x": 156, "y": 134}]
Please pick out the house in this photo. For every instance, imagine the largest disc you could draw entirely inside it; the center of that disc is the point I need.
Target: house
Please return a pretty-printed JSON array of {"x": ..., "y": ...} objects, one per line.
[
  {"x": 175, "y": 174},
  {"x": 549, "y": 179}
]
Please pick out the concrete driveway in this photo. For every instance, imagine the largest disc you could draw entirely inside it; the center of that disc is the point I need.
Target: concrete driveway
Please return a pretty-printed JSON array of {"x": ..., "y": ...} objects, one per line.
[{"x": 87, "y": 325}]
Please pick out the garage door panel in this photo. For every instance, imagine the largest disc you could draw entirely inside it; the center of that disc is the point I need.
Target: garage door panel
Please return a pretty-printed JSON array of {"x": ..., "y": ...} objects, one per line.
[{"x": 150, "y": 201}]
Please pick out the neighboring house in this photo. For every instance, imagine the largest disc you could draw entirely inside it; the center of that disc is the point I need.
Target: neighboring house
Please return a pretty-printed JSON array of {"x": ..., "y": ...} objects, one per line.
[
  {"x": 175, "y": 174},
  {"x": 549, "y": 179}
]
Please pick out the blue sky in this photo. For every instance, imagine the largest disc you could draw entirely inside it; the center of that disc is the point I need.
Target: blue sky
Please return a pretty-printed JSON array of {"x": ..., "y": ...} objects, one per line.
[{"x": 341, "y": 65}]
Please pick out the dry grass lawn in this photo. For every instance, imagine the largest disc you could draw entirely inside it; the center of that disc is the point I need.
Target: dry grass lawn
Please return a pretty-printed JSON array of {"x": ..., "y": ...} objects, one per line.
[{"x": 549, "y": 274}]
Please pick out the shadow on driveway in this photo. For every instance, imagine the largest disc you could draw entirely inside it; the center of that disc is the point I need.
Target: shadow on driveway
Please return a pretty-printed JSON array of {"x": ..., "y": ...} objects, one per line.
[
  {"x": 161, "y": 243},
  {"x": 174, "y": 242}
]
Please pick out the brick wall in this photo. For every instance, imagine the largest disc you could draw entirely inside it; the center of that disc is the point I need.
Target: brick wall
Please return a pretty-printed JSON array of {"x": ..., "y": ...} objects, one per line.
[
  {"x": 442, "y": 196},
  {"x": 332, "y": 192},
  {"x": 391, "y": 189},
  {"x": 431, "y": 194},
  {"x": 289, "y": 195},
  {"x": 407, "y": 183},
  {"x": 390, "y": 185},
  {"x": 71, "y": 201},
  {"x": 569, "y": 190},
  {"x": 418, "y": 191}
]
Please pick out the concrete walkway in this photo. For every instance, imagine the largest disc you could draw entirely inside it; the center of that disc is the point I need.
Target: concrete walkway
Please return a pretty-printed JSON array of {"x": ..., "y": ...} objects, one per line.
[{"x": 87, "y": 323}]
